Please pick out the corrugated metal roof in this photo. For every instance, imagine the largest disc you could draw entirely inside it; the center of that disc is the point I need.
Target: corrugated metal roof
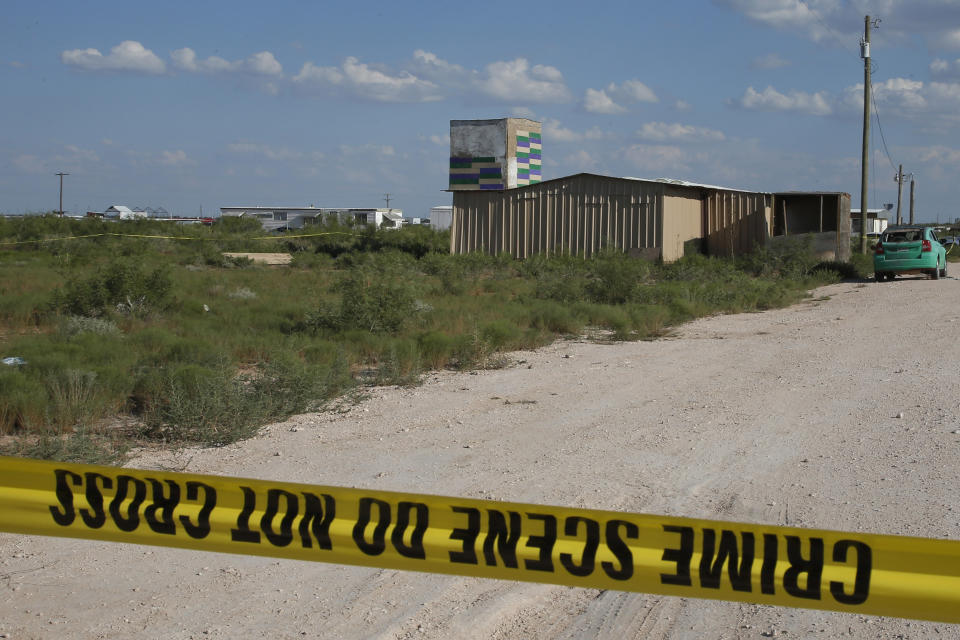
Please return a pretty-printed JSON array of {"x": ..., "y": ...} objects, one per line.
[{"x": 687, "y": 183}]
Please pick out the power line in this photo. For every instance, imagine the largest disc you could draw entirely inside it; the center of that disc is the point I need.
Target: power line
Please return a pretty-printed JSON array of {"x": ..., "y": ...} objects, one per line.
[
  {"x": 879, "y": 126},
  {"x": 826, "y": 26}
]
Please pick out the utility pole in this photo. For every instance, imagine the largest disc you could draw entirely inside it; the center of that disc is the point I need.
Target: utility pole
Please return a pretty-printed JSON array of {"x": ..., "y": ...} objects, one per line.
[
  {"x": 912, "y": 183},
  {"x": 899, "y": 193},
  {"x": 61, "y": 174},
  {"x": 865, "y": 158},
  {"x": 386, "y": 197}
]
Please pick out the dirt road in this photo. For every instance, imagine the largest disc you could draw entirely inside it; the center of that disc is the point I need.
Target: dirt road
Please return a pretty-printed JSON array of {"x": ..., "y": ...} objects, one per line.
[{"x": 783, "y": 417}]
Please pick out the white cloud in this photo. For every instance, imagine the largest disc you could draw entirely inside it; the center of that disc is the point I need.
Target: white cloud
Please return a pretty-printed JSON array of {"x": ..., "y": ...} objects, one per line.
[
  {"x": 948, "y": 40},
  {"x": 612, "y": 98},
  {"x": 29, "y": 164},
  {"x": 312, "y": 74},
  {"x": 174, "y": 158},
  {"x": 516, "y": 80},
  {"x": 597, "y": 101},
  {"x": 840, "y": 22},
  {"x": 427, "y": 77},
  {"x": 660, "y": 158},
  {"x": 769, "y": 61},
  {"x": 75, "y": 154},
  {"x": 266, "y": 151},
  {"x": 662, "y": 131},
  {"x": 262, "y": 63},
  {"x": 129, "y": 55},
  {"x": 554, "y": 131},
  {"x": 431, "y": 66},
  {"x": 632, "y": 91},
  {"x": 783, "y": 13},
  {"x": 523, "y": 112},
  {"x": 580, "y": 161},
  {"x": 365, "y": 81},
  {"x": 939, "y": 154},
  {"x": 901, "y": 93},
  {"x": 772, "y": 100},
  {"x": 681, "y": 105},
  {"x": 443, "y": 140},
  {"x": 368, "y": 149}
]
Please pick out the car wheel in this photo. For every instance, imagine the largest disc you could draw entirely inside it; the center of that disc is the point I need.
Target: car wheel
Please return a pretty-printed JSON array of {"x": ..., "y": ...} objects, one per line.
[
  {"x": 936, "y": 271},
  {"x": 879, "y": 277},
  {"x": 943, "y": 272}
]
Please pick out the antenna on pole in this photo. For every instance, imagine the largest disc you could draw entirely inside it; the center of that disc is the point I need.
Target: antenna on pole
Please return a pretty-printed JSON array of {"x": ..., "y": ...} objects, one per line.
[
  {"x": 386, "y": 197},
  {"x": 61, "y": 174}
]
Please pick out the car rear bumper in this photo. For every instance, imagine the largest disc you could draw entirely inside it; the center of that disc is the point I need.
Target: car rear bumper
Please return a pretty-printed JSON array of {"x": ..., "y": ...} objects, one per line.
[{"x": 926, "y": 263}]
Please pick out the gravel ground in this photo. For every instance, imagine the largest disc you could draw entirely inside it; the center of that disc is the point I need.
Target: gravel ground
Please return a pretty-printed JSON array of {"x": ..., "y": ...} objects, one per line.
[{"x": 837, "y": 413}]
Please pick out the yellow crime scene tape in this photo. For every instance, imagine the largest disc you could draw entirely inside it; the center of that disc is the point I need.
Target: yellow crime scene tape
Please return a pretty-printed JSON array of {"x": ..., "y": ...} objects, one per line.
[{"x": 805, "y": 568}]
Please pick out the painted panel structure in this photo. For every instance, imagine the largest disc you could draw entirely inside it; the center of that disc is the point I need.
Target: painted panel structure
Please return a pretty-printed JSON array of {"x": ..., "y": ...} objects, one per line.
[
  {"x": 478, "y": 149},
  {"x": 493, "y": 155},
  {"x": 528, "y": 157},
  {"x": 473, "y": 173}
]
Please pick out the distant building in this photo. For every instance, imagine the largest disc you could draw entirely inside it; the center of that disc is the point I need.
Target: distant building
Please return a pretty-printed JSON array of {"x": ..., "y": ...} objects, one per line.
[
  {"x": 441, "y": 217},
  {"x": 876, "y": 222},
  {"x": 285, "y": 218},
  {"x": 118, "y": 212},
  {"x": 493, "y": 155}
]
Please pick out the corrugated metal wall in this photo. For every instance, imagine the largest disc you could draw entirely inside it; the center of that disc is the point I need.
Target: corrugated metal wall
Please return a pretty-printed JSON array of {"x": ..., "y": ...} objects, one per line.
[
  {"x": 734, "y": 222},
  {"x": 584, "y": 213},
  {"x": 577, "y": 215},
  {"x": 683, "y": 221}
]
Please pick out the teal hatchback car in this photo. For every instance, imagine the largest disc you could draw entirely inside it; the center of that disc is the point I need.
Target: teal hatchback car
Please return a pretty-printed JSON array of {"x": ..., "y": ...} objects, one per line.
[{"x": 909, "y": 249}]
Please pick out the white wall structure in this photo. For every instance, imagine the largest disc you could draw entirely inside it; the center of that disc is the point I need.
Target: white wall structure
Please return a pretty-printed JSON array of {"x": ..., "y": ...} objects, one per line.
[
  {"x": 122, "y": 212},
  {"x": 875, "y": 223},
  {"x": 441, "y": 217},
  {"x": 284, "y": 218}
]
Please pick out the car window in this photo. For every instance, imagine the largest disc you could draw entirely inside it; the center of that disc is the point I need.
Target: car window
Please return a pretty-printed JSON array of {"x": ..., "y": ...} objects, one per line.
[
  {"x": 904, "y": 235},
  {"x": 933, "y": 235}
]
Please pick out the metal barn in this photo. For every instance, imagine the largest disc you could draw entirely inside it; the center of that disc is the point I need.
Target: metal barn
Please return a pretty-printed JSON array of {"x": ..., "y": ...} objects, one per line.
[{"x": 584, "y": 213}]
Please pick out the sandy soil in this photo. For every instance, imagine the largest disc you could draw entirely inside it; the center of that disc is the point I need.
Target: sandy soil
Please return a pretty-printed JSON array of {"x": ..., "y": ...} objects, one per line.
[
  {"x": 273, "y": 259},
  {"x": 783, "y": 417}
]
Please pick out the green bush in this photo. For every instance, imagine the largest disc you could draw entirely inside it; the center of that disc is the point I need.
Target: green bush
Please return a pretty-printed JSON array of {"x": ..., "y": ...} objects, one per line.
[
  {"x": 121, "y": 286},
  {"x": 436, "y": 348}
]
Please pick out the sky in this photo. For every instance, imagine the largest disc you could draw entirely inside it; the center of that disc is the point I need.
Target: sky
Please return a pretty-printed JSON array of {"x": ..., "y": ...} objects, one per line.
[{"x": 294, "y": 103}]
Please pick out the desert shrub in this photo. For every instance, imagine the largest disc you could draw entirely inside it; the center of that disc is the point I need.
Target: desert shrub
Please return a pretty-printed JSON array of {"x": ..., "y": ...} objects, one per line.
[
  {"x": 74, "y": 325},
  {"x": 400, "y": 364},
  {"x": 192, "y": 403},
  {"x": 369, "y": 301},
  {"x": 74, "y": 399},
  {"x": 237, "y": 224},
  {"x": 501, "y": 334},
  {"x": 436, "y": 348},
  {"x": 555, "y": 318},
  {"x": 793, "y": 258},
  {"x": 83, "y": 445},
  {"x": 23, "y": 402},
  {"x": 615, "y": 277},
  {"x": 120, "y": 286}
]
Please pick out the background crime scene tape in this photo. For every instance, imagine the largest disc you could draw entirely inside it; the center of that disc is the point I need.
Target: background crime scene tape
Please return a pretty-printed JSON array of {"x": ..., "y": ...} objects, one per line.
[
  {"x": 137, "y": 235},
  {"x": 806, "y": 568}
]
